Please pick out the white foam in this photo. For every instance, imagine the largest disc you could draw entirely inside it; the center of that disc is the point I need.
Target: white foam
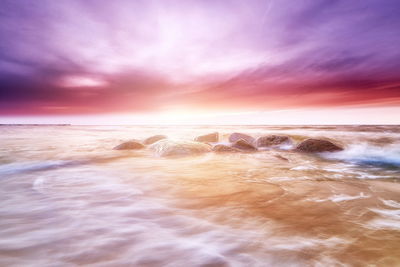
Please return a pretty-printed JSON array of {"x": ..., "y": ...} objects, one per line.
[
  {"x": 285, "y": 146},
  {"x": 391, "y": 203},
  {"x": 390, "y": 219},
  {"x": 340, "y": 198},
  {"x": 385, "y": 223},
  {"x": 368, "y": 154},
  {"x": 394, "y": 214},
  {"x": 302, "y": 168},
  {"x": 283, "y": 179},
  {"x": 300, "y": 243},
  {"x": 38, "y": 184}
]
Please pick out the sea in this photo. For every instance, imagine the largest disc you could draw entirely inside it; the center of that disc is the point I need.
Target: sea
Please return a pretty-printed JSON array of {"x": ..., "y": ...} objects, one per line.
[{"x": 68, "y": 199}]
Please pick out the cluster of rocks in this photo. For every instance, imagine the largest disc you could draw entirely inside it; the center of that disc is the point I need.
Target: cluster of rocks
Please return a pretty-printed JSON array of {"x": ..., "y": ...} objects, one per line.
[
  {"x": 137, "y": 144},
  {"x": 165, "y": 148},
  {"x": 238, "y": 142}
]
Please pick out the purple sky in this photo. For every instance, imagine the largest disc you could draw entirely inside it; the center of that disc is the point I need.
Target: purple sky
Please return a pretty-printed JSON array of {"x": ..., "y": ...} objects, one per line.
[{"x": 105, "y": 57}]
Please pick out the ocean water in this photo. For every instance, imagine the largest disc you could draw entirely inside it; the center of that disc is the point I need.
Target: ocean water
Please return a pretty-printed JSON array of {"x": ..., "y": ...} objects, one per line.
[{"x": 67, "y": 199}]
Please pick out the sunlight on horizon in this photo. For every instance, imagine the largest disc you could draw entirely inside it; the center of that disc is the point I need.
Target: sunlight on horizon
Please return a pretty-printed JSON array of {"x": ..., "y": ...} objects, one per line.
[{"x": 378, "y": 115}]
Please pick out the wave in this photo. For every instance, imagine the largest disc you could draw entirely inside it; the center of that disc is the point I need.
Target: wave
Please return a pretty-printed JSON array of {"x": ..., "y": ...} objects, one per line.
[
  {"x": 340, "y": 198},
  {"x": 391, "y": 203},
  {"x": 23, "y": 167},
  {"x": 303, "y": 168},
  {"x": 365, "y": 154},
  {"x": 389, "y": 218},
  {"x": 31, "y": 166}
]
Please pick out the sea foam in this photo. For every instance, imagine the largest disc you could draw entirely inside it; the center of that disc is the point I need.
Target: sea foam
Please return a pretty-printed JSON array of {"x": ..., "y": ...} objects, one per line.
[{"x": 366, "y": 154}]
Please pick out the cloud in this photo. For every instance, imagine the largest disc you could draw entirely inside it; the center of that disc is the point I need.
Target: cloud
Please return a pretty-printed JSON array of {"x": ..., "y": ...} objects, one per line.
[{"x": 78, "y": 57}]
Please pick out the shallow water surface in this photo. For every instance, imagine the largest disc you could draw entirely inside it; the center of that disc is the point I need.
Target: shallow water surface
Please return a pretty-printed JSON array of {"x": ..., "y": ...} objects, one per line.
[{"x": 68, "y": 199}]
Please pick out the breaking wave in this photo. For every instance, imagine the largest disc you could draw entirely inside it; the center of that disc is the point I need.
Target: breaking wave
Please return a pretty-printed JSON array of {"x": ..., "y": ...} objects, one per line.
[{"x": 366, "y": 154}]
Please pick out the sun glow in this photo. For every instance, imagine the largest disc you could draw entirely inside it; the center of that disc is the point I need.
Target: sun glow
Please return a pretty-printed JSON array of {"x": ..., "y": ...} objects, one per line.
[
  {"x": 82, "y": 81},
  {"x": 338, "y": 116}
]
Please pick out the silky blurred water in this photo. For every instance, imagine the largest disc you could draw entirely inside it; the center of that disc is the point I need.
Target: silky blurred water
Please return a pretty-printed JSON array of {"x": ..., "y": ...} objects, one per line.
[{"x": 68, "y": 199}]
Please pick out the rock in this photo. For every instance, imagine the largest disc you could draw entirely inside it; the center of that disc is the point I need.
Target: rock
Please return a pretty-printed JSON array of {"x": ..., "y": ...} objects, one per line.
[
  {"x": 237, "y": 136},
  {"x": 129, "y": 145},
  {"x": 154, "y": 138},
  {"x": 165, "y": 148},
  {"x": 224, "y": 149},
  {"x": 281, "y": 157},
  {"x": 317, "y": 145},
  {"x": 243, "y": 145},
  {"x": 212, "y": 137},
  {"x": 273, "y": 140}
]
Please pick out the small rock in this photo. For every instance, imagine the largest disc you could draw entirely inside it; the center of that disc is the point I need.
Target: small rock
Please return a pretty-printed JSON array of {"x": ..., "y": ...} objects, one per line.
[
  {"x": 317, "y": 145},
  {"x": 224, "y": 149},
  {"x": 165, "y": 148},
  {"x": 237, "y": 136},
  {"x": 273, "y": 140},
  {"x": 129, "y": 145},
  {"x": 212, "y": 137},
  {"x": 281, "y": 157},
  {"x": 154, "y": 138},
  {"x": 243, "y": 145}
]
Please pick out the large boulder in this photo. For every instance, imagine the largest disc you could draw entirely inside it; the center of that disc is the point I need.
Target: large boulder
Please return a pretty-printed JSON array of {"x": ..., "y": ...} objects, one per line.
[
  {"x": 224, "y": 149},
  {"x": 154, "y": 138},
  {"x": 129, "y": 145},
  {"x": 166, "y": 147},
  {"x": 212, "y": 137},
  {"x": 237, "y": 136},
  {"x": 317, "y": 146},
  {"x": 273, "y": 140},
  {"x": 244, "y": 145}
]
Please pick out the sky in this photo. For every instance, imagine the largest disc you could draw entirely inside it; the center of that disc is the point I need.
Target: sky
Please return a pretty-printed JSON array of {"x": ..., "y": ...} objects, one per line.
[{"x": 203, "y": 61}]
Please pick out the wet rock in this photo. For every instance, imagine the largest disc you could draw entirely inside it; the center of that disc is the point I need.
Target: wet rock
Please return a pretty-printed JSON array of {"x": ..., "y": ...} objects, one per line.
[
  {"x": 154, "y": 138},
  {"x": 165, "y": 148},
  {"x": 317, "y": 145},
  {"x": 237, "y": 136},
  {"x": 224, "y": 149},
  {"x": 280, "y": 157},
  {"x": 244, "y": 145},
  {"x": 273, "y": 140},
  {"x": 212, "y": 137},
  {"x": 129, "y": 145}
]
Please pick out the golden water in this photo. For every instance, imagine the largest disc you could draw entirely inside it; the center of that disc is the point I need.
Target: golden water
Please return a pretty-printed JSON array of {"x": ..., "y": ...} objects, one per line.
[{"x": 68, "y": 199}]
